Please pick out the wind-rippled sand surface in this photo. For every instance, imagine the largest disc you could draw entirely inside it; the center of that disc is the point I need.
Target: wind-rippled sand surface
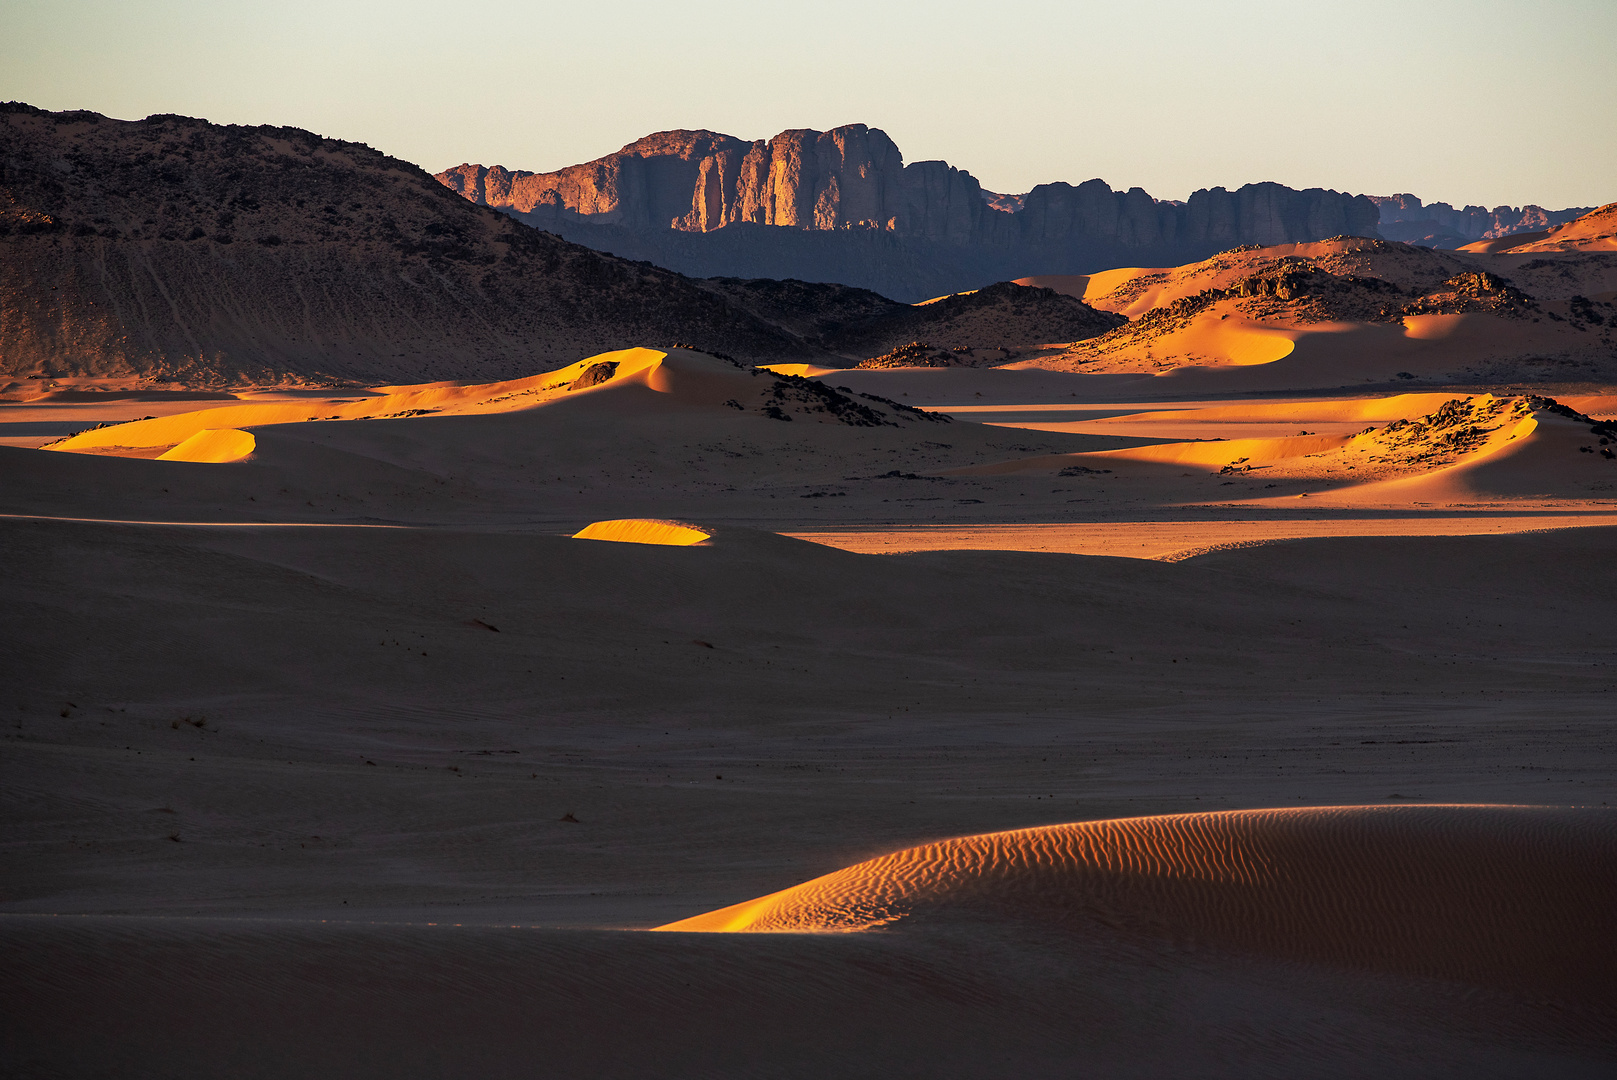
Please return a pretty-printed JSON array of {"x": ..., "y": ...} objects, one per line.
[{"x": 1519, "y": 895}]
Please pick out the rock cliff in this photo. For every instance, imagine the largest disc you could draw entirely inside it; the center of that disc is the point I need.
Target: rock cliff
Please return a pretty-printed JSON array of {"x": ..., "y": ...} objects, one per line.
[{"x": 945, "y": 233}]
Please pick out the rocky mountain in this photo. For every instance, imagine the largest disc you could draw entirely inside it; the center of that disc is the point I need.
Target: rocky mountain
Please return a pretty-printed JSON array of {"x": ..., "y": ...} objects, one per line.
[
  {"x": 1439, "y": 225},
  {"x": 178, "y": 249},
  {"x": 842, "y": 205}
]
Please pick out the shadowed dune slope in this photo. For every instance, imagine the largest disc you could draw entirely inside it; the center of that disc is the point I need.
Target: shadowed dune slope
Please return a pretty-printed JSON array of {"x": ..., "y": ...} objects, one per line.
[{"x": 1494, "y": 894}]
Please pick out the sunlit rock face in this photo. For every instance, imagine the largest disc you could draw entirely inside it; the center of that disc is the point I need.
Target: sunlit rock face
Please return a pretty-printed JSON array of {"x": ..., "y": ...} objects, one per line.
[
  {"x": 909, "y": 231},
  {"x": 699, "y": 181}
]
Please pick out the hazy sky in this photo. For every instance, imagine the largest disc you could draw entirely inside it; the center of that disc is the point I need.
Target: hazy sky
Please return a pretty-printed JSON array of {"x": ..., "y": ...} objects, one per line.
[{"x": 1482, "y": 101}]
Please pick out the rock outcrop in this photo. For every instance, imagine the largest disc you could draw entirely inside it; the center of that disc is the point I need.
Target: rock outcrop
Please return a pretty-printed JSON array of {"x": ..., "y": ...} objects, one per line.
[{"x": 941, "y": 232}]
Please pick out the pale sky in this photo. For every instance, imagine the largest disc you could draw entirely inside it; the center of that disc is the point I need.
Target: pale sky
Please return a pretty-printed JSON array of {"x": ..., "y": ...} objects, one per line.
[{"x": 1481, "y": 101}]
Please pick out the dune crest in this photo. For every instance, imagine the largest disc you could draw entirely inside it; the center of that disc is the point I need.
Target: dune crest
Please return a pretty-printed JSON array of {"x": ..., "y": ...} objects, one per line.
[
  {"x": 1512, "y": 894},
  {"x": 643, "y": 531},
  {"x": 382, "y": 403}
]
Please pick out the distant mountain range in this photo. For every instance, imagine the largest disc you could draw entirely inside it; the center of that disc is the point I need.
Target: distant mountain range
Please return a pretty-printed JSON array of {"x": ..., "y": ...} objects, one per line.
[
  {"x": 842, "y": 205},
  {"x": 178, "y": 250},
  {"x": 174, "y": 249}
]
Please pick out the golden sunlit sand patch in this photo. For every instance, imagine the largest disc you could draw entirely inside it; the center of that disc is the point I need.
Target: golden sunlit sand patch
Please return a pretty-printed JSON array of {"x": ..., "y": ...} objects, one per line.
[
  {"x": 1173, "y": 541},
  {"x": 1480, "y": 447},
  {"x": 213, "y": 445},
  {"x": 386, "y": 403},
  {"x": 643, "y": 531},
  {"x": 805, "y": 371}
]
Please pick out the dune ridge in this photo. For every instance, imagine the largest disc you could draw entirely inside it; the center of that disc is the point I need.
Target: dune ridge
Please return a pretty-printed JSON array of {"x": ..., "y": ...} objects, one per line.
[
  {"x": 685, "y": 376},
  {"x": 1508, "y": 894}
]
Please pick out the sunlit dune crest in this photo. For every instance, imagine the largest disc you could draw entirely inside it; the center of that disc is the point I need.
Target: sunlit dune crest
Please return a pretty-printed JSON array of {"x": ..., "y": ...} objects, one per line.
[
  {"x": 677, "y": 378},
  {"x": 213, "y": 445},
  {"x": 1474, "y": 892},
  {"x": 643, "y": 531},
  {"x": 803, "y": 371},
  {"x": 384, "y": 403}
]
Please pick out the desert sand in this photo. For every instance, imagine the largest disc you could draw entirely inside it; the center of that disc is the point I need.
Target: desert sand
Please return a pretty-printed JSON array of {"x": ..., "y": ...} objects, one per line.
[
  {"x": 1067, "y": 725},
  {"x": 1378, "y": 887}
]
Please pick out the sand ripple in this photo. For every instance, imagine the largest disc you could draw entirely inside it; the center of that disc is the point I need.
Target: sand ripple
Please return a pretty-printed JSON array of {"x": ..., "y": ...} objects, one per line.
[{"x": 1520, "y": 895}]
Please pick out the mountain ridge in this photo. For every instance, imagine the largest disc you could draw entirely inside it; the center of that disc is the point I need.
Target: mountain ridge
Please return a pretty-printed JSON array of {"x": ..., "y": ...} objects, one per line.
[
  {"x": 173, "y": 249},
  {"x": 909, "y": 231}
]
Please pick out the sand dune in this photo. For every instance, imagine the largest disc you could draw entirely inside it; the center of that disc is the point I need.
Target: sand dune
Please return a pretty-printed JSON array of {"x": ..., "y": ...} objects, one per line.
[
  {"x": 1518, "y": 895},
  {"x": 1092, "y": 287},
  {"x": 394, "y": 692},
  {"x": 1529, "y": 452},
  {"x": 1205, "y": 420},
  {"x": 643, "y": 531},
  {"x": 1175, "y": 541},
  {"x": 213, "y": 445},
  {"x": 1471, "y": 448},
  {"x": 1216, "y": 350},
  {"x": 685, "y": 377},
  {"x": 1345, "y": 311},
  {"x": 440, "y": 398}
]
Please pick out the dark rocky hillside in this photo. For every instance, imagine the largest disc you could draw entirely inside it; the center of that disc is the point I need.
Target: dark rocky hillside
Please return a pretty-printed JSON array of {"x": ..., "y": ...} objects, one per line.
[
  {"x": 856, "y": 324},
  {"x": 175, "y": 248}
]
